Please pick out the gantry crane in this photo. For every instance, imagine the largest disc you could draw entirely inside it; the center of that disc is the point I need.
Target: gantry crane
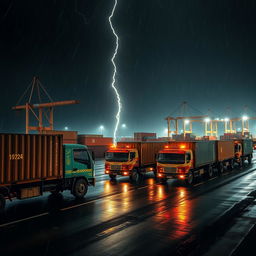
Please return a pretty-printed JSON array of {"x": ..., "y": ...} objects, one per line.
[
  {"x": 41, "y": 111},
  {"x": 185, "y": 122}
]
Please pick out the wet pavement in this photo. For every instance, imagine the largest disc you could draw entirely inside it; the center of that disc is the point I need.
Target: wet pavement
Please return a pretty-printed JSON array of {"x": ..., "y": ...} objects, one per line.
[{"x": 121, "y": 218}]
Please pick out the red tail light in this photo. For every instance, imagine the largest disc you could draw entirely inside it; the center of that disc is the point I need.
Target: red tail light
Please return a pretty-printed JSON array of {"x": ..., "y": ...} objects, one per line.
[{"x": 107, "y": 167}]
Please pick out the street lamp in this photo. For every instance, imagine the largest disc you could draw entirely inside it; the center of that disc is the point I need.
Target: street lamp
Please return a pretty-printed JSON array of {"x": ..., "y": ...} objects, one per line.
[
  {"x": 123, "y": 125},
  {"x": 245, "y": 118},
  {"x": 65, "y": 128},
  {"x": 101, "y": 129},
  {"x": 207, "y": 120}
]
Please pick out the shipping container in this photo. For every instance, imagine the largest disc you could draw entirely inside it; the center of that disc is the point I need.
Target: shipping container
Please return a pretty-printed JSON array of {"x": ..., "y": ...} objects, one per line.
[
  {"x": 225, "y": 150},
  {"x": 143, "y": 136},
  {"x": 147, "y": 150},
  {"x": 247, "y": 146},
  {"x": 30, "y": 158},
  {"x": 204, "y": 153},
  {"x": 94, "y": 140},
  {"x": 98, "y": 151},
  {"x": 68, "y": 136}
]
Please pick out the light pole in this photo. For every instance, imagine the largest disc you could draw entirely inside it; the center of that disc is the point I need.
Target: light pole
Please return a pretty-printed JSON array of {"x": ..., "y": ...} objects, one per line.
[{"x": 101, "y": 129}]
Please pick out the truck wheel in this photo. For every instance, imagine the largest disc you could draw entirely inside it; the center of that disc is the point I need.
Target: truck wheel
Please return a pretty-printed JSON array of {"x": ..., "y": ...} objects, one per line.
[
  {"x": 209, "y": 172},
  {"x": 135, "y": 176},
  {"x": 231, "y": 165},
  {"x": 112, "y": 176},
  {"x": 2, "y": 202},
  {"x": 250, "y": 159},
  {"x": 189, "y": 180},
  {"x": 80, "y": 188},
  {"x": 220, "y": 168}
]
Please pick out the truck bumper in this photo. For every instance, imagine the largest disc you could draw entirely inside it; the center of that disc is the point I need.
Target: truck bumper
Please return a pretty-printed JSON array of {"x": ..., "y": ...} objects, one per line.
[
  {"x": 92, "y": 181},
  {"x": 118, "y": 172},
  {"x": 172, "y": 175}
]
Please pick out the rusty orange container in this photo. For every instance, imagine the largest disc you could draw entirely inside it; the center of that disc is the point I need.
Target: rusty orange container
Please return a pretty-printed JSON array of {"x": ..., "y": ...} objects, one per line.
[
  {"x": 67, "y": 135},
  {"x": 96, "y": 140},
  {"x": 225, "y": 150},
  {"x": 27, "y": 158}
]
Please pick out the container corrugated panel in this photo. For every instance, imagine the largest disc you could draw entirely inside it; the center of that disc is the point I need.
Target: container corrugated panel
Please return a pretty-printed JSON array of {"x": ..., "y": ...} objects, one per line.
[
  {"x": 69, "y": 141},
  {"x": 147, "y": 150},
  {"x": 67, "y": 135},
  {"x": 247, "y": 147},
  {"x": 205, "y": 153},
  {"x": 26, "y": 158},
  {"x": 140, "y": 136},
  {"x": 95, "y": 141},
  {"x": 98, "y": 151},
  {"x": 225, "y": 150}
]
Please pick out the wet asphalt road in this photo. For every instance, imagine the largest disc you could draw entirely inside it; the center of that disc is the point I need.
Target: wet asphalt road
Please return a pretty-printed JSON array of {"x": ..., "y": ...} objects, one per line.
[{"x": 121, "y": 218}]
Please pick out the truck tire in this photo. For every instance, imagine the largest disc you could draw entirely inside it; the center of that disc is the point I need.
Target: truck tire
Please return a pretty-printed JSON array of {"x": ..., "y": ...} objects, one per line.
[
  {"x": 2, "y": 202},
  {"x": 112, "y": 176},
  {"x": 135, "y": 176},
  {"x": 209, "y": 172},
  {"x": 80, "y": 188},
  {"x": 231, "y": 165},
  {"x": 249, "y": 159},
  {"x": 190, "y": 179},
  {"x": 220, "y": 168}
]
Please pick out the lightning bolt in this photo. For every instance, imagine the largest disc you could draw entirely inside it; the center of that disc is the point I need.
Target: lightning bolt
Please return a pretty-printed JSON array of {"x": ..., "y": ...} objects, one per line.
[{"x": 114, "y": 73}]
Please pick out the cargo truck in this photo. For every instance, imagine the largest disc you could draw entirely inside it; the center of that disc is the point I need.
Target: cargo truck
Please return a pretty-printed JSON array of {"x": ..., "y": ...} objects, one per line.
[
  {"x": 132, "y": 159},
  {"x": 243, "y": 151},
  {"x": 32, "y": 164},
  {"x": 187, "y": 160}
]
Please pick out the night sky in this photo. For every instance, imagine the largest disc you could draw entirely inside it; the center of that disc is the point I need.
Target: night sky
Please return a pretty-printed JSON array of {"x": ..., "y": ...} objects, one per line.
[{"x": 199, "y": 51}]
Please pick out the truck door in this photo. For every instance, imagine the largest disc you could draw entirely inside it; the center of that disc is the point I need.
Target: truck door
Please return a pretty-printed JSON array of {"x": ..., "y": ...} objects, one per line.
[{"x": 82, "y": 165}]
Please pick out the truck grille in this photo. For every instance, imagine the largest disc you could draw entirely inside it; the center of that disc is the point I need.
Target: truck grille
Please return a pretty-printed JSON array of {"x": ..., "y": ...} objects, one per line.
[
  {"x": 170, "y": 169},
  {"x": 116, "y": 167}
]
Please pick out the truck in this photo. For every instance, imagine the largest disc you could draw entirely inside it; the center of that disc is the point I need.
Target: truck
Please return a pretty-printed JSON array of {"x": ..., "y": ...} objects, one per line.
[
  {"x": 243, "y": 151},
  {"x": 132, "y": 159},
  {"x": 189, "y": 159},
  {"x": 31, "y": 164}
]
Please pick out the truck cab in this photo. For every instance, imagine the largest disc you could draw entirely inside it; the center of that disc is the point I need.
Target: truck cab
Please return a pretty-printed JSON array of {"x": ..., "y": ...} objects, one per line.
[
  {"x": 121, "y": 161},
  {"x": 78, "y": 168},
  {"x": 174, "y": 163}
]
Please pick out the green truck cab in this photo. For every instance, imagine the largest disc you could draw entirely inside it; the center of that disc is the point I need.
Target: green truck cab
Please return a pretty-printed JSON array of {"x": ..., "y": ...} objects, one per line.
[{"x": 78, "y": 169}]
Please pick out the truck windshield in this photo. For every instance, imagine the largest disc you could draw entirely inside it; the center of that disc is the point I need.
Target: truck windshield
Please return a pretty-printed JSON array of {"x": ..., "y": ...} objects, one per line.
[
  {"x": 171, "y": 158},
  {"x": 116, "y": 157}
]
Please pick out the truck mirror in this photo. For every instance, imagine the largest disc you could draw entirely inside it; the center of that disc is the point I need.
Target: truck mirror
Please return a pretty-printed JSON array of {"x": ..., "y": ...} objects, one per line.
[{"x": 93, "y": 156}]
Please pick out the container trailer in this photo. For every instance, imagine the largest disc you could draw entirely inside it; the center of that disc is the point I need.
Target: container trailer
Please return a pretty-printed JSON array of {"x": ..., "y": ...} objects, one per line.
[
  {"x": 31, "y": 164},
  {"x": 187, "y": 160},
  {"x": 132, "y": 159}
]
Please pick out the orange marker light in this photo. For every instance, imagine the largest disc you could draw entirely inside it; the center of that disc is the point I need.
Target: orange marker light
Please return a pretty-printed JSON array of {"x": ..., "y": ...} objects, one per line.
[
  {"x": 182, "y": 146},
  {"x": 125, "y": 173},
  {"x": 127, "y": 146},
  {"x": 159, "y": 175},
  {"x": 166, "y": 146},
  {"x": 182, "y": 177},
  {"x": 107, "y": 172}
]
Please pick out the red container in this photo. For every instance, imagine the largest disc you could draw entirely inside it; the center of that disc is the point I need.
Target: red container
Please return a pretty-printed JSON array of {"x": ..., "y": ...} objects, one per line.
[{"x": 94, "y": 140}]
